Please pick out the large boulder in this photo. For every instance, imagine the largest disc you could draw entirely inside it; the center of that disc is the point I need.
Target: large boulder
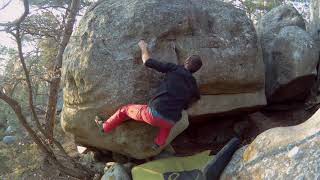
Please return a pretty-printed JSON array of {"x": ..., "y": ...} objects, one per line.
[
  {"x": 314, "y": 26},
  {"x": 289, "y": 54},
  {"x": 102, "y": 68},
  {"x": 280, "y": 153},
  {"x": 271, "y": 23},
  {"x": 293, "y": 64}
]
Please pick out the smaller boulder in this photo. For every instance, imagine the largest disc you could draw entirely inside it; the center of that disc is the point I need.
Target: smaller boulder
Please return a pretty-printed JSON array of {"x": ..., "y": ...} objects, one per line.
[
  {"x": 271, "y": 23},
  {"x": 9, "y": 139},
  {"x": 280, "y": 153},
  {"x": 82, "y": 150},
  {"x": 291, "y": 66},
  {"x": 314, "y": 26},
  {"x": 115, "y": 171},
  {"x": 9, "y": 130},
  {"x": 289, "y": 54}
]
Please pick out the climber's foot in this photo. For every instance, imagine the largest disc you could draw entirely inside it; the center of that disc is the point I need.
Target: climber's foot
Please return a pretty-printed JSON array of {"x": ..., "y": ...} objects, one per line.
[
  {"x": 155, "y": 147},
  {"x": 99, "y": 122}
]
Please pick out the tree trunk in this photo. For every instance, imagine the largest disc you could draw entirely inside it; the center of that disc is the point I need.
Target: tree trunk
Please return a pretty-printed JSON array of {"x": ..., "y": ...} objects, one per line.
[{"x": 55, "y": 82}]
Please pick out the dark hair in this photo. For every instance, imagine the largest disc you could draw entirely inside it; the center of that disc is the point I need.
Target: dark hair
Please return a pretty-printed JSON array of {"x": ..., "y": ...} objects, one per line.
[{"x": 193, "y": 63}]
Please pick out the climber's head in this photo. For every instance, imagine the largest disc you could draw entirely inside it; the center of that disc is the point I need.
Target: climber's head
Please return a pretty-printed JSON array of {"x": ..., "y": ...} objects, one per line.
[{"x": 193, "y": 63}]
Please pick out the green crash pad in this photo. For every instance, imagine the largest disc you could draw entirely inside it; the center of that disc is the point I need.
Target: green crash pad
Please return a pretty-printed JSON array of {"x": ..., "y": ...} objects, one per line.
[{"x": 174, "y": 168}]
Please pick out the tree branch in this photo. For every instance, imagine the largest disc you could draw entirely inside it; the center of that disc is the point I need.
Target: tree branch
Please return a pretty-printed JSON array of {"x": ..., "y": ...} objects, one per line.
[{"x": 28, "y": 81}]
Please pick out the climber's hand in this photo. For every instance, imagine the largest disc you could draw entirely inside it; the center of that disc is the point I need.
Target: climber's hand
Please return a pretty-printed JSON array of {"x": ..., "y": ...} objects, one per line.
[
  {"x": 144, "y": 51},
  {"x": 143, "y": 45}
]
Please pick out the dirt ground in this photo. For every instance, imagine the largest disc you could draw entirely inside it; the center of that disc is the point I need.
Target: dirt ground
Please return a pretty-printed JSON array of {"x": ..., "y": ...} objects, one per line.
[{"x": 23, "y": 159}]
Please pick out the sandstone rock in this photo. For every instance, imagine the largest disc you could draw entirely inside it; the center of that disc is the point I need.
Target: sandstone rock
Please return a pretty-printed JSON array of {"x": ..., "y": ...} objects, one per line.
[
  {"x": 82, "y": 150},
  {"x": 280, "y": 153},
  {"x": 131, "y": 139},
  {"x": 281, "y": 136},
  {"x": 9, "y": 139},
  {"x": 87, "y": 159},
  {"x": 102, "y": 68},
  {"x": 271, "y": 23},
  {"x": 314, "y": 27},
  {"x": 215, "y": 104},
  {"x": 286, "y": 163},
  {"x": 289, "y": 69},
  {"x": 115, "y": 172},
  {"x": 292, "y": 67}
]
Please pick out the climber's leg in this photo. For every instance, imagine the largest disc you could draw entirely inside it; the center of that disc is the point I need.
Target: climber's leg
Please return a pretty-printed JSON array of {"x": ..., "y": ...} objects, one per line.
[
  {"x": 157, "y": 121},
  {"x": 132, "y": 111},
  {"x": 140, "y": 113}
]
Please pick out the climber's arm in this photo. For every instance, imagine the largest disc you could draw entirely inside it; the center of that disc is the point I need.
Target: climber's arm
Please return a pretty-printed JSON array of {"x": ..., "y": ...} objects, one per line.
[{"x": 152, "y": 63}]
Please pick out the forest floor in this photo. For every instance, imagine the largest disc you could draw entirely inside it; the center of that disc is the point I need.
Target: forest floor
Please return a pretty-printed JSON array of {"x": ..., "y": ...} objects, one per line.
[{"x": 22, "y": 160}]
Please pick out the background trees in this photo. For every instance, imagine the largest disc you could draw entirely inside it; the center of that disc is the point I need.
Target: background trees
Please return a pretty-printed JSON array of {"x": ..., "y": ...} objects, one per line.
[
  {"x": 255, "y": 9},
  {"x": 48, "y": 26}
]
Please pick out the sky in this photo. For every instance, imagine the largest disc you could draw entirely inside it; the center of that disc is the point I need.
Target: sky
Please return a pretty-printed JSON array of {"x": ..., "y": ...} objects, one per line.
[{"x": 13, "y": 11}]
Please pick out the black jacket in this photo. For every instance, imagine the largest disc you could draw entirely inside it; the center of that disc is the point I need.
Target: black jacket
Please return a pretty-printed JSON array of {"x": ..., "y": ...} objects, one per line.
[{"x": 175, "y": 93}]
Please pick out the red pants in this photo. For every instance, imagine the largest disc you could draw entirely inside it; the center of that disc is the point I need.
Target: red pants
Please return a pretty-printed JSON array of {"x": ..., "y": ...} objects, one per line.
[{"x": 139, "y": 113}]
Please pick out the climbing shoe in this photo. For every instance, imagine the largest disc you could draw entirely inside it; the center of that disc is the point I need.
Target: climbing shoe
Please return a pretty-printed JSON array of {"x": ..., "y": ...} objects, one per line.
[
  {"x": 99, "y": 122},
  {"x": 155, "y": 147}
]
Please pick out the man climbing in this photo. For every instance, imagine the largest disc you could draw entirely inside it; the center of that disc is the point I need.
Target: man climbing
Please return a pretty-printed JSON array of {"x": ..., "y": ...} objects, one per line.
[{"x": 175, "y": 93}]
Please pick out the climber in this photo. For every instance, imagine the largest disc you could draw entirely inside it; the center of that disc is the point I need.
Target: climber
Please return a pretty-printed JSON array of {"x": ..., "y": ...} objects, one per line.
[{"x": 175, "y": 93}]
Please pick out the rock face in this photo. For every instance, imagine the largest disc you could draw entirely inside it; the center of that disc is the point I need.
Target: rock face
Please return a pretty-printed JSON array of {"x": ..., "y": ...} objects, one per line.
[
  {"x": 289, "y": 54},
  {"x": 280, "y": 153},
  {"x": 314, "y": 27},
  {"x": 293, "y": 65},
  {"x": 102, "y": 68}
]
